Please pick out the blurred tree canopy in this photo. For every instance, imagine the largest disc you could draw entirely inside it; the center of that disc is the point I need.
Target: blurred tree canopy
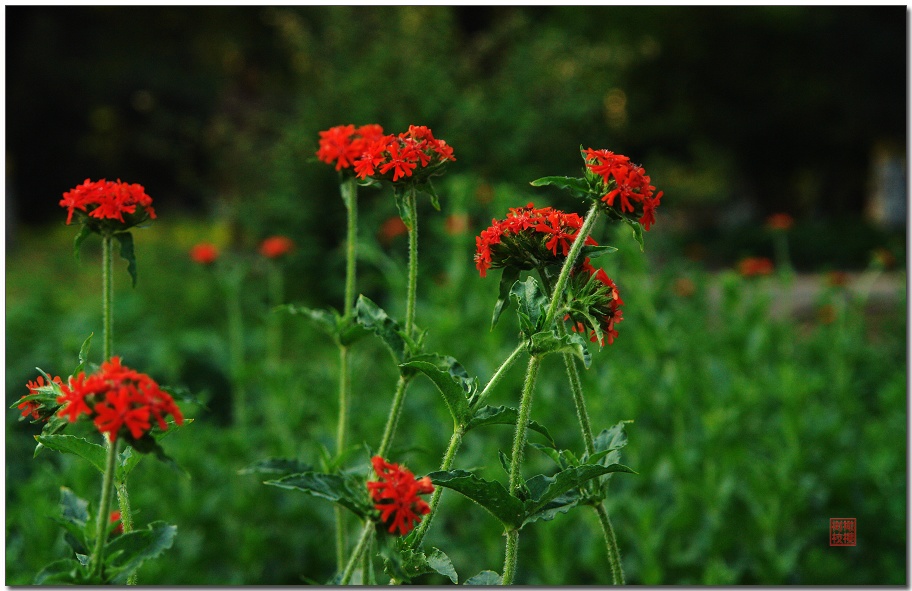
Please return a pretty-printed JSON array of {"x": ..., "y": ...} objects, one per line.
[{"x": 209, "y": 106}]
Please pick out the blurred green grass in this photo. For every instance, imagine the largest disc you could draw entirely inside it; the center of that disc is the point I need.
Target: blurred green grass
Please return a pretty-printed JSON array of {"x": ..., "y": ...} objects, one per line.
[{"x": 750, "y": 431}]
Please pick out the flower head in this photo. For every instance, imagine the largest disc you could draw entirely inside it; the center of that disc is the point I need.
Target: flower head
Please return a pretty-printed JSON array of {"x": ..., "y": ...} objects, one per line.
[
  {"x": 119, "y": 400},
  {"x": 35, "y": 408},
  {"x": 204, "y": 253},
  {"x": 755, "y": 266},
  {"x": 595, "y": 296},
  {"x": 626, "y": 188},
  {"x": 108, "y": 206},
  {"x": 527, "y": 238},
  {"x": 395, "y": 495},
  {"x": 276, "y": 246},
  {"x": 371, "y": 153}
]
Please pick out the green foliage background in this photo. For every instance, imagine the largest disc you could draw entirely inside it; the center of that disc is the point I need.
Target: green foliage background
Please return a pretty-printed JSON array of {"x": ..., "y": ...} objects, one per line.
[{"x": 751, "y": 429}]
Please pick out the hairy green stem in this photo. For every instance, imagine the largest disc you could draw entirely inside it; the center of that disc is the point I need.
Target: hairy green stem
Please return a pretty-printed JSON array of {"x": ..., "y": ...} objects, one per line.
[
  {"x": 413, "y": 262},
  {"x": 107, "y": 295},
  {"x": 614, "y": 557},
  {"x": 499, "y": 374},
  {"x": 446, "y": 464},
  {"x": 104, "y": 510},
  {"x": 393, "y": 419},
  {"x": 519, "y": 444},
  {"x": 575, "y": 248},
  {"x": 366, "y": 535},
  {"x": 349, "y": 190}
]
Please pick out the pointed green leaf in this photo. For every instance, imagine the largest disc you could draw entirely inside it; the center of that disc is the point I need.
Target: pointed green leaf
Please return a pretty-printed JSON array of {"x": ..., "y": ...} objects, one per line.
[
  {"x": 126, "y": 552},
  {"x": 83, "y": 354},
  {"x": 72, "y": 508},
  {"x": 507, "y": 279},
  {"x": 454, "y": 388},
  {"x": 428, "y": 188},
  {"x": 126, "y": 252},
  {"x": 373, "y": 318},
  {"x": 324, "y": 319},
  {"x": 546, "y": 342},
  {"x": 637, "y": 232},
  {"x": 491, "y": 495},
  {"x": 594, "y": 252},
  {"x": 148, "y": 444},
  {"x": 344, "y": 489},
  {"x": 70, "y": 444},
  {"x": 554, "y": 507},
  {"x": 84, "y": 233},
  {"x": 406, "y": 564},
  {"x": 544, "y": 489},
  {"x": 578, "y": 187},
  {"x": 531, "y": 304},
  {"x": 67, "y": 571},
  {"x": 485, "y": 577},
  {"x": 282, "y": 466},
  {"x": 401, "y": 193},
  {"x": 503, "y": 415}
]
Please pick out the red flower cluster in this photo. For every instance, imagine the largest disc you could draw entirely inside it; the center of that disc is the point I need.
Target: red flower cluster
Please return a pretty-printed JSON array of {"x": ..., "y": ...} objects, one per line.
[
  {"x": 204, "y": 253},
  {"x": 34, "y": 408},
  {"x": 780, "y": 221},
  {"x": 604, "y": 302},
  {"x": 754, "y": 266},
  {"x": 115, "y": 518},
  {"x": 371, "y": 153},
  {"x": 395, "y": 495},
  {"x": 119, "y": 400},
  {"x": 526, "y": 238},
  {"x": 276, "y": 246},
  {"x": 109, "y": 200},
  {"x": 625, "y": 182}
]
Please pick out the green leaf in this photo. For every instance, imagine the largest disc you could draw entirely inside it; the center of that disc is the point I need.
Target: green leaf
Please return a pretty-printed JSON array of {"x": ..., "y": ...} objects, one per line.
[
  {"x": 406, "y": 564},
  {"x": 507, "y": 279},
  {"x": 148, "y": 444},
  {"x": 503, "y": 415},
  {"x": 544, "y": 489},
  {"x": 67, "y": 571},
  {"x": 373, "y": 318},
  {"x": 554, "y": 507},
  {"x": 594, "y": 252},
  {"x": 84, "y": 233},
  {"x": 455, "y": 388},
  {"x": 126, "y": 552},
  {"x": 428, "y": 188},
  {"x": 401, "y": 193},
  {"x": 578, "y": 187},
  {"x": 546, "y": 342},
  {"x": 326, "y": 320},
  {"x": 531, "y": 303},
  {"x": 73, "y": 509},
  {"x": 491, "y": 495},
  {"x": 485, "y": 577},
  {"x": 344, "y": 489},
  {"x": 126, "y": 252},
  {"x": 282, "y": 466},
  {"x": 70, "y": 444},
  {"x": 637, "y": 232},
  {"x": 83, "y": 354}
]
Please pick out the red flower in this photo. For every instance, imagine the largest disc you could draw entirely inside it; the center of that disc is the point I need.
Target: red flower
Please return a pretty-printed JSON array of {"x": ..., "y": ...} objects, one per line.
[
  {"x": 276, "y": 246},
  {"x": 204, "y": 253},
  {"x": 115, "y": 517},
  {"x": 779, "y": 221},
  {"x": 34, "y": 408},
  {"x": 754, "y": 266},
  {"x": 107, "y": 200},
  {"x": 527, "y": 238},
  {"x": 604, "y": 303},
  {"x": 119, "y": 400},
  {"x": 626, "y": 183},
  {"x": 395, "y": 495}
]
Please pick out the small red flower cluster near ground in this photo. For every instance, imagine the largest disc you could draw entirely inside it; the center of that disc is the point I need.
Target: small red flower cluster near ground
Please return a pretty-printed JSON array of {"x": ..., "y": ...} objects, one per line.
[
  {"x": 526, "y": 238},
  {"x": 604, "y": 302},
  {"x": 754, "y": 266},
  {"x": 34, "y": 408},
  {"x": 395, "y": 495},
  {"x": 780, "y": 221},
  {"x": 625, "y": 183},
  {"x": 276, "y": 246},
  {"x": 371, "y": 153},
  {"x": 109, "y": 200},
  {"x": 204, "y": 253},
  {"x": 119, "y": 400}
]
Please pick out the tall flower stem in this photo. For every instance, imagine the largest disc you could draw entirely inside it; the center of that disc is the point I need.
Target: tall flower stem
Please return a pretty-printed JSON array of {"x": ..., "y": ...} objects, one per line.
[
  {"x": 349, "y": 190},
  {"x": 413, "y": 262},
  {"x": 395, "y": 410},
  {"x": 104, "y": 509},
  {"x": 363, "y": 542},
  {"x": 614, "y": 556},
  {"x": 575, "y": 248},
  {"x": 107, "y": 310},
  {"x": 455, "y": 441},
  {"x": 519, "y": 444}
]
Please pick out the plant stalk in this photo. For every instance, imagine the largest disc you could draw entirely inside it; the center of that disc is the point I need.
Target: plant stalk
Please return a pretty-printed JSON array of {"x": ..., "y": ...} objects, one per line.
[
  {"x": 363, "y": 542},
  {"x": 614, "y": 557},
  {"x": 413, "y": 263},
  {"x": 104, "y": 511},
  {"x": 575, "y": 248},
  {"x": 393, "y": 419}
]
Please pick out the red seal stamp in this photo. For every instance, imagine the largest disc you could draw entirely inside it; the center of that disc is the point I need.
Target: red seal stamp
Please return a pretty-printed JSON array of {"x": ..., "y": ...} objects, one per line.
[{"x": 842, "y": 531}]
